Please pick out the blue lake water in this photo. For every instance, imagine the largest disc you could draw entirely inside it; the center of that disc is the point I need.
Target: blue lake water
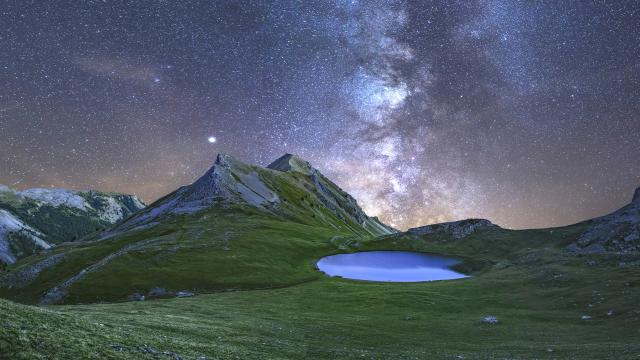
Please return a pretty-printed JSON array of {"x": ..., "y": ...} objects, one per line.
[{"x": 390, "y": 266}]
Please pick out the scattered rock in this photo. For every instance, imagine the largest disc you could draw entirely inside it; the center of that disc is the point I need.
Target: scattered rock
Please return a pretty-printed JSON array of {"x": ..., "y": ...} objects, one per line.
[
  {"x": 490, "y": 319},
  {"x": 117, "y": 347},
  {"x": 157, "y": 292},
  {"x": 145, "y": 349},
  {"x": 25, "y": 275},
  {"x": 135, "y": 297},
  {"x": 408, "y": 317},
  {"x": 148, "y": 350},
  {"x": 625, "y": 264},
  {"x": 585, "y": 317},
  {"x": 588, "y": 250},
  {"x": 184, "y": 293},
  {"x": 172, "y": 354},
  {"x": 610, "y": 312}
]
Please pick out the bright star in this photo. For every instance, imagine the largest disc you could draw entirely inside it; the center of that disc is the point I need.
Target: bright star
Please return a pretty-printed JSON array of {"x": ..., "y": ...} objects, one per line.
[{"x": 212, "y": 139}]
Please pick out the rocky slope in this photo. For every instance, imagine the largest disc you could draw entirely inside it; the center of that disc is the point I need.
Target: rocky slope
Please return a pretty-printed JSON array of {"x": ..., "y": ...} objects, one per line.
[
  {"x": 290, "y": 187},
  {"x": 340, "y": 203},
  {"x": 455, "y": 229},
  {"x": 618, "y": 232},
  {"x": 36, "y": 219}
]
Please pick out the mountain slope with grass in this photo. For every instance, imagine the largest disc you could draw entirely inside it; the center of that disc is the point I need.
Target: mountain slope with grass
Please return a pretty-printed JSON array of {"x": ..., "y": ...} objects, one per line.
[
  {"x": 37, "y": 219},
  {"x": 226, "y": 269},
  {"x": 237, "y": 227},
  {"x": 547, "y": 303}
]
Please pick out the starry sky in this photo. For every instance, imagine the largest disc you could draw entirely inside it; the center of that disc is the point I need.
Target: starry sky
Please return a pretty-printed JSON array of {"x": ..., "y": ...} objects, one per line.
[{"x": 523, "y": 112}]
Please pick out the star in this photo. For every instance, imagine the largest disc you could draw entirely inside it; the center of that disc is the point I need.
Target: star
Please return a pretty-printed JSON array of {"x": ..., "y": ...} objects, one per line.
[{"x": 422, "y": 113}]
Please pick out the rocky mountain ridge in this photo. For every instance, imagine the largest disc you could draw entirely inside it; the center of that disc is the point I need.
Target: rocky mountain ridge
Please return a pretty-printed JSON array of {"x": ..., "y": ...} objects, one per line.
[
  {"x": 230, "y": 182},
  {"x": 456, "y": 229},
  {"x": 37, "y": 219},
  {"x": 618, "y": 232}
]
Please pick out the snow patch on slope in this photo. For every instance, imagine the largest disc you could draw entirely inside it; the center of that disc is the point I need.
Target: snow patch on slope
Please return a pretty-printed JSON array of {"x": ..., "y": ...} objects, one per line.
[
  {"x": 56, "y": 197},
  {"x": 9, "y": 223}
]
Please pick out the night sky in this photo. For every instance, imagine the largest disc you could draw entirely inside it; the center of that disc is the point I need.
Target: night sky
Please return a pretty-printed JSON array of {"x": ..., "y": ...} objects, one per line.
[{"x": 525, "y": 113}]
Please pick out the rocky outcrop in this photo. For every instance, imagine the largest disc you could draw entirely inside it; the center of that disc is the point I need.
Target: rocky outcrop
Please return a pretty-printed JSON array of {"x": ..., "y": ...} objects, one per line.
[
  {"x": 618, "y": 232},
  {"x": 59, "y": 292},
  {"x": 28, "y": 273},
  {"x": 456, "y": 229}
]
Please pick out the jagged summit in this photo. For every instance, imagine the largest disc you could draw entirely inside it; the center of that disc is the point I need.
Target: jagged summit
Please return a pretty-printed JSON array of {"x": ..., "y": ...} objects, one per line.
[
  {"x": 636, "y": 196},
  {"x": 290, "y": 162},
  {"x": 228, "y": 181}
]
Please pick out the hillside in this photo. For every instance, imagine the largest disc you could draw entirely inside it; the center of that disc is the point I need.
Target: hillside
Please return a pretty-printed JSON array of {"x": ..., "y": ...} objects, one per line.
[
  {"x": 618, "y": 232},
  {"x": 226, "y": 269},
  {"x": 36, "y": 219},
  {"x": 237, "y": 227},
  {"x": 549, "y": 304}
]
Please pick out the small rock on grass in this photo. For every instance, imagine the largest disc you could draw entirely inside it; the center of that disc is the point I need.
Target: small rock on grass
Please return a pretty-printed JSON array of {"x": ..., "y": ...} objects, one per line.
[
  {"x": 490, "y": 319},
  {"x": 136, "y": 297},
  {"x": 184, "y": 293}
]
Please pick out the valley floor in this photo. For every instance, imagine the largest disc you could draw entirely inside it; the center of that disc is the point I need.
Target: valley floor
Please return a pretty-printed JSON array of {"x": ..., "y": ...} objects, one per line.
[{"x": 540, "y": 310}]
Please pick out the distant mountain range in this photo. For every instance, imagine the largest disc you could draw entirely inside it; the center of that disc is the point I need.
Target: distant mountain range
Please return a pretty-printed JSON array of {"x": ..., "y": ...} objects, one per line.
[{"x": 36, "y": 219}]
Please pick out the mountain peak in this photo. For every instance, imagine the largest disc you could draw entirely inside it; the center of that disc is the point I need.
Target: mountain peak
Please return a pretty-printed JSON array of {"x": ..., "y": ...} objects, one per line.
[
  {"x": 230, "y": 182},
  {"x": 227, "y": 160},
  {"x": 291, "y": 163},
  {"x": 636, "y": 195}
]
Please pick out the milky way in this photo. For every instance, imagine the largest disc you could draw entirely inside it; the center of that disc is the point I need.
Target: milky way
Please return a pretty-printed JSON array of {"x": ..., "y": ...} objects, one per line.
[{"x": 525, "y": 113}]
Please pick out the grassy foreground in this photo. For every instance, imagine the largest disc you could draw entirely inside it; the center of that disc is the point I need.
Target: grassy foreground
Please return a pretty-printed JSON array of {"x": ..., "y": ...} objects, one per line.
[{"x": 538, "y": 294}]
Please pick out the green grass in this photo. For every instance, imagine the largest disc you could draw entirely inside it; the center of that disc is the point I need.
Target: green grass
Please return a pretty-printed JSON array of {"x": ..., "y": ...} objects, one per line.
[
  {"x": 333, "y": 318},
  {"x": 206, "y": 252},
  {"x": 263, "y": 299}
]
